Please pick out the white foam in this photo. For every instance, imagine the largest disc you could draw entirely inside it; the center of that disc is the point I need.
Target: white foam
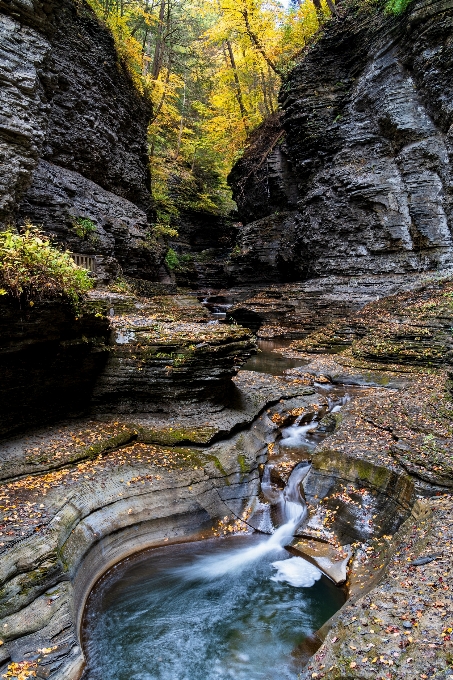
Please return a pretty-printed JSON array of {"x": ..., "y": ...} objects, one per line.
[
  {"x": 297, "y": 572},
  {"x": 236, "y": 560},
  {"x": 295, "y": 435}
]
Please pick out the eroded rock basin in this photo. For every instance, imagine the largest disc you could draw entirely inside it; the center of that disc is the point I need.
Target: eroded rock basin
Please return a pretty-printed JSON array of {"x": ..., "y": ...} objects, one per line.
[
  {"x": 185, "y": 612},
  {"x": 147, "y": 492},
  {"x": 242, "y": 607}
]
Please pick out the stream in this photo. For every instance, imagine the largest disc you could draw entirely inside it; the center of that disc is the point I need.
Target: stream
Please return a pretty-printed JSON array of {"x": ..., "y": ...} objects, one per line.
[{"x": 237, "y": 608}]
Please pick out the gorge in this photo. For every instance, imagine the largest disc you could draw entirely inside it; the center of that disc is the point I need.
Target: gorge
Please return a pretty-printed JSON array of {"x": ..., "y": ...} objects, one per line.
[{"x": 273, "y": 414}]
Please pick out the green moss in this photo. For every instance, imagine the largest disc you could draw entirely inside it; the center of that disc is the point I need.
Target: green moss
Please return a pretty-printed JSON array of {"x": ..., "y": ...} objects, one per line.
[
  {"x": 375, "y": 475},
  {"x": 244, "y": 468},
  {"x": 171, "y": 436},
  {"x": 30, "y": 581},
  {"x": 379, "y": 378},
  {"x": 219, "y": 467}
]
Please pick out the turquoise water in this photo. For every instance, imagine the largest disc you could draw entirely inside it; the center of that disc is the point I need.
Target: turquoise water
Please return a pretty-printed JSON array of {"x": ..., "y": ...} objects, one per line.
[{"x": 194, "y": 612}]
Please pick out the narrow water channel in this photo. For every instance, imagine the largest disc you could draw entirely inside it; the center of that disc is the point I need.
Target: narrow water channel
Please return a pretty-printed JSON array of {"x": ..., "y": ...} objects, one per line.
[{"x": 237, "y": 608}]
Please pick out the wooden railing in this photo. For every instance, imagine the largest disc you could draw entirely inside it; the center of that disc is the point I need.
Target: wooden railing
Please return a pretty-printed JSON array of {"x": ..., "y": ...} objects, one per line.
[{"x": 85, "y": 261}]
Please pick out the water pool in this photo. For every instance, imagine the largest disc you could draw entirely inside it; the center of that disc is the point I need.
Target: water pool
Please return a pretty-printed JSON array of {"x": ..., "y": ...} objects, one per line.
[{"x": 199, "y": 611}]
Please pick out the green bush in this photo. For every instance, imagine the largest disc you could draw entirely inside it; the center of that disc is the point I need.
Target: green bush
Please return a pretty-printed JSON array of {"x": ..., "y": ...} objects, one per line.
[
  {"x": 172, "y": 259},
  {"x": 84, "y": 227},
  {"x": 396, "y": 6},
  {"x": 32, "y": 269}
]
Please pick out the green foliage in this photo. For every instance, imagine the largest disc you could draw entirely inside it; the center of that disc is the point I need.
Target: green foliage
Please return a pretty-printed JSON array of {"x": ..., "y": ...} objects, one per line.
[
  {"x": 32, "y": 269},
  {"x": 396, "y": 6},
  {"x": 172, "y": 259},
  {"x": 84, "y": 227},
  {"x": 164, "y": 230}
]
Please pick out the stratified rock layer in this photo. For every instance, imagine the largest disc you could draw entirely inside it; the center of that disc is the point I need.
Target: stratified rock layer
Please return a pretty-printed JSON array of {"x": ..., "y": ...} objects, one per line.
[
  {"x": 367, "y": 117},
  {"x": 73, "y": 136}
]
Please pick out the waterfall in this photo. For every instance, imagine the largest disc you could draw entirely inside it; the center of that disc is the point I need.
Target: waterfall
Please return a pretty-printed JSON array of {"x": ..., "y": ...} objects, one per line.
[{"x": 294, "y": 511}]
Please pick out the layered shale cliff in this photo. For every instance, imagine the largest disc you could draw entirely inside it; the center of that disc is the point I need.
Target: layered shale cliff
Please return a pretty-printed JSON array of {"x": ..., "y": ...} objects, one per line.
[
  {"x": 73, "y": 137},
  {"x": 355, "y": 177}
]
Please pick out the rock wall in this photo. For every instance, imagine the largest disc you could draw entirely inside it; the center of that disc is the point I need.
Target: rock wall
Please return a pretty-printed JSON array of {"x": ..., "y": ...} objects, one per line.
[
  {"x": 49, "y": 361},
  {"x": 73, "y": 136},
  {"x": 263, "y": 180},
  {"x": 203, "y": 245},
  {"x": 367, "y": 118}
]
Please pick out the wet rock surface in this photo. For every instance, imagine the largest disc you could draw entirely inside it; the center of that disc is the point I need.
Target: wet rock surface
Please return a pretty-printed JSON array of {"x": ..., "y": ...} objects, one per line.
[
  {"x": 332, "y": 561},
  {"x": 298, "y": 309},
  {"x": 396, "y": 622},
  {"x": 351, "y": 499}
]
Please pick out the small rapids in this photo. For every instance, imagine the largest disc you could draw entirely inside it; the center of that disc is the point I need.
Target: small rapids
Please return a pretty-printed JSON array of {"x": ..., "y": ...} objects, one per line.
[
  {"x": 297, "y": 572},
  {"x": 296, "y": 435},
  {"x": 294, "y": 511},
  {"x": 238, "y": 608}
]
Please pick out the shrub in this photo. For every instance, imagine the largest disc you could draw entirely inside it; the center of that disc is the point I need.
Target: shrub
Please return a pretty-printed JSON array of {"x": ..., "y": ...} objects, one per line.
[
  {"x": 32, "y": 269},
  {"x": 172, "y": 259},
  {"x": 164, "y": 230},
  {"x": 84, "y": 227},
  {"x": 396, "y": 6}
]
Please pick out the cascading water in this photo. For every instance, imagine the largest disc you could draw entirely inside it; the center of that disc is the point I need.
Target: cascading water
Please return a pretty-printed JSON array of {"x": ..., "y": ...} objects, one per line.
[
  {"x": 295, "y": 435},
  {"x": 296, "y": 440},
  {"x": 294, "y": 511},
  {"x": 235, "y": 609}
]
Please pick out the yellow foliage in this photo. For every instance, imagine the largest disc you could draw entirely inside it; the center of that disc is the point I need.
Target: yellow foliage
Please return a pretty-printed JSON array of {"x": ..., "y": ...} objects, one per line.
[{"x": 212, "y": 69}]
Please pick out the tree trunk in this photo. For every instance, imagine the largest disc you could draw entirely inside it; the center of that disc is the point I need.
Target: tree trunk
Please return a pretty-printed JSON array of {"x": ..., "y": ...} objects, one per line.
[
  {"x": 264, "y": 89},
  {"x": 332, "y": 7},
  {"x": 181, "y": 124},
  {"x": 164, "y": 94},
  {"x": 237, "y": 82},
  {"x": 256, "y": 41},
  {"x": 158, "y": 52}
]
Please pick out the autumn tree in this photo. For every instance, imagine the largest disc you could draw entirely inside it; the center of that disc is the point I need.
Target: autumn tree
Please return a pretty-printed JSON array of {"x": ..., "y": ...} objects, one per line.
[{"x": 213, "y": 70}]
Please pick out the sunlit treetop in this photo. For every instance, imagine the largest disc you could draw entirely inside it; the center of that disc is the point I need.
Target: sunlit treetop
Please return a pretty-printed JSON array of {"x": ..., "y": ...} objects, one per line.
[{"x": 212, "y": 69}]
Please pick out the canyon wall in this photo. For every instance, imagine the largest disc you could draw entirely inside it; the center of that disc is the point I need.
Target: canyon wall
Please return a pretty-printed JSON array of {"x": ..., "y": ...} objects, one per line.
[
  {"x": 355, "y": 176},
  {"x": 73, "y": 137}
]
